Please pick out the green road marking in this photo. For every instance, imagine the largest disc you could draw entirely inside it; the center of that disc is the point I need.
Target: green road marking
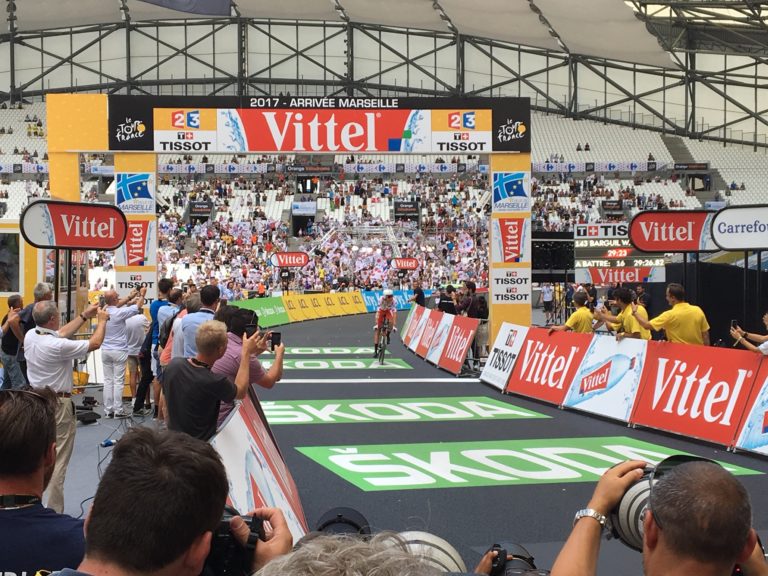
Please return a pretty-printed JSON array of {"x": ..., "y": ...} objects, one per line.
[
  {"x": 495, "y": 463},
  {"x": 327, "y": 351},
  {"x": 340, "y": 364},
  {"x": 392, "y": 410}
]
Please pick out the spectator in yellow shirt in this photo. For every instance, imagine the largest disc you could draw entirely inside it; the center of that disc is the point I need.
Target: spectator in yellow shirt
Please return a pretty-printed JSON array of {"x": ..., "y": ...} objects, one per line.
[
  {"x": 683, "y": 323},
  {"x": 625, "y": 324},
  {"x": 580, "y": 320}
]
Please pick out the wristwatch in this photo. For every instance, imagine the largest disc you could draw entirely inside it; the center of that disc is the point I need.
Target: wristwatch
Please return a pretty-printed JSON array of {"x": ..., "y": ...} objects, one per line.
[{"x": 589, "y": 513}]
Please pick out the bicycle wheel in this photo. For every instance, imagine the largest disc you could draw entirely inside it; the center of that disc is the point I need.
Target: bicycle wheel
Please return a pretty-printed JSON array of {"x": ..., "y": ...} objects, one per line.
[{"x": 383, "y": 342}]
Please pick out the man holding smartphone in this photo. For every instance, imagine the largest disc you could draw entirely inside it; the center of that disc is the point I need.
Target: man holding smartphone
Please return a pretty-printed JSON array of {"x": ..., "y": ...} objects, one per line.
[{"x": 241, "y": 321}]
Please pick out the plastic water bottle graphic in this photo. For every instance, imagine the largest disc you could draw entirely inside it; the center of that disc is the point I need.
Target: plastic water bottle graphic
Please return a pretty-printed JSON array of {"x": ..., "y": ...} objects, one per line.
[
  {"x": 601, "y": 377},
  {"x": 754, "y": 435}
]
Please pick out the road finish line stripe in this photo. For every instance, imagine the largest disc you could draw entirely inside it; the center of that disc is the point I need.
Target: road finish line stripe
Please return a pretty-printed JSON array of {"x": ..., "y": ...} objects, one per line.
[
  {"x": 375, "y": 380},
  {"x": 356, "y": 410},
  {"x": 340, "y": 364}
]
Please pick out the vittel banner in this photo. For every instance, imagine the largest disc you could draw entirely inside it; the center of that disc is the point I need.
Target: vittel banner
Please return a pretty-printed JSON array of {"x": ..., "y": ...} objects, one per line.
[
  {"x": 460, "y": 337},
  {"x": 503, "y": 355},
  {"x": 673, "y": 231},
  {"x": 695, "y": 390},
  {"x": 420, "y": 324},
  {"x": 430, "y": 329},
  {"x": 547, "y": 364},
  {"x": 439, "y": 339},
  {"x": 753, "y": 429},
  {"x": 609, "y": 376},
  {"x": 331, "y": 125}
]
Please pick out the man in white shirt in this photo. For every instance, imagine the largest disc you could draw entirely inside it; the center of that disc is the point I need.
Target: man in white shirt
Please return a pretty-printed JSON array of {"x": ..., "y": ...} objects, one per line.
[
  {"x": 114, "y": 350},
  {"x": 49, "y": 354}
]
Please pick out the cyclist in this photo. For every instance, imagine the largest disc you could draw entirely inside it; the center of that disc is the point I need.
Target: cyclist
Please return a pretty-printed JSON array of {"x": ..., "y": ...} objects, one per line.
[{"x": 387, "y": 309}]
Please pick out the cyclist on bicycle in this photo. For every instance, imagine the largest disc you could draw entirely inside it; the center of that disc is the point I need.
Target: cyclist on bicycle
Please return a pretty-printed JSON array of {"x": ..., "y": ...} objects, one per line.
[{"x": 387, "y": 309}]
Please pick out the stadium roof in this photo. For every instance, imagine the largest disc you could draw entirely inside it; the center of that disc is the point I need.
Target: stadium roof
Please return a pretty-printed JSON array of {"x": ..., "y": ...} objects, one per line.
[{"x": 638, "y": 31}]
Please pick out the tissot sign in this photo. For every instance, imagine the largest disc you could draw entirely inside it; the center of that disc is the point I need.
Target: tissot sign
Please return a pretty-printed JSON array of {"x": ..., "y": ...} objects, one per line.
[
  {"x": 73, "y": 225},
  {"x": 289, "y": 259},
  {"x": 331, "y": 125},
  {"x": 673, "y": 231},
  {"x": 741, "y": 228}
]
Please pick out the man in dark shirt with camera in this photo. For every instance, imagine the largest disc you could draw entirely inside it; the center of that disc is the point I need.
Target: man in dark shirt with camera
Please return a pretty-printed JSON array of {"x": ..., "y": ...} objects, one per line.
[
  {"x": 193, "y": 393},
  {"x": 698, "y": 522}
]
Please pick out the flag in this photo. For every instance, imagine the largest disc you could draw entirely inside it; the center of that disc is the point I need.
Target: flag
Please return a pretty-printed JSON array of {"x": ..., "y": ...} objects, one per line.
[
  {"x": 132, "y": 187},
  {"x": 205, "y": 7},
  {"x": 508, "y": 185}
]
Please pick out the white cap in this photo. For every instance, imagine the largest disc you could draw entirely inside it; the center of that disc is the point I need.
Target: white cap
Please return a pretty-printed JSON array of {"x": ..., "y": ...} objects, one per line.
[{"x": 388, "y": 292}]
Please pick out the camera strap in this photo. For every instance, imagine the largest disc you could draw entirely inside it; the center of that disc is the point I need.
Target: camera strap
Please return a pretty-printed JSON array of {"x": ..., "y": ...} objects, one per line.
[{"x": 14, "y": 501}]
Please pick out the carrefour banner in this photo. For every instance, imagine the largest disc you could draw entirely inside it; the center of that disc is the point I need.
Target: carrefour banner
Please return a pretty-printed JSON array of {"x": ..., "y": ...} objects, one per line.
[
  {"x": 315, "y": 125},
  {"x": 567, "y": 167},
  {"x": 409, "y": 168}
]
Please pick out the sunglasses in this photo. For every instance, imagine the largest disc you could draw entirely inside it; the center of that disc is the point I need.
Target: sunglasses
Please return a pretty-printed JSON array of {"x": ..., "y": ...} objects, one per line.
[{"x": 665, "y": 467}]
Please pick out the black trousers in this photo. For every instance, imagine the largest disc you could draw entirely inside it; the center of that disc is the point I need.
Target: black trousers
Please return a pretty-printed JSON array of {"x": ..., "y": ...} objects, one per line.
[{"x": 144, "y": 389}]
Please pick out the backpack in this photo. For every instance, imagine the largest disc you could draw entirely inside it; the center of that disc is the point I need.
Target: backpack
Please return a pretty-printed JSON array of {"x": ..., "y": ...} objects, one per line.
[
  {"x": 165, "y": 329},
  {"x": 482, "y": 308}
]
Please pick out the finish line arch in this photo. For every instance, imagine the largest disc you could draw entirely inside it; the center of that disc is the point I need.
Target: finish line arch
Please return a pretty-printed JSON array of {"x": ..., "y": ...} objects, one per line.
[{"x": 137, "y": 128}]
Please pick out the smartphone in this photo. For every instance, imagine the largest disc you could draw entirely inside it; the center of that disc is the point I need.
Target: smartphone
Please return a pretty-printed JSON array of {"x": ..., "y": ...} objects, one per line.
[
  {"x": 251, "y": 329},
  {"x": 277, "y": 338},
  {"x": 102, "y": 302},
  {"x": 734, "y": 323}
]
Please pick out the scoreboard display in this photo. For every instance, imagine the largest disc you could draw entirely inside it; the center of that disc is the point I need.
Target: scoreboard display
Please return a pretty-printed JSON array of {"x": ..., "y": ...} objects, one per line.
[{"x": 604, "y": 247}]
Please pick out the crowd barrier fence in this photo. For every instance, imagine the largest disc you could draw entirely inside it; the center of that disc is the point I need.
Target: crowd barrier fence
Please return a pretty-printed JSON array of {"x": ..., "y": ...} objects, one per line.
[{"x": 715, "y": 394}]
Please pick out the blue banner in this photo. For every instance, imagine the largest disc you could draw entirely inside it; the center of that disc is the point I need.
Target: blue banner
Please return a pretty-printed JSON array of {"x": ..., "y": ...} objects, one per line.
[{"x": 372, "y": 298}]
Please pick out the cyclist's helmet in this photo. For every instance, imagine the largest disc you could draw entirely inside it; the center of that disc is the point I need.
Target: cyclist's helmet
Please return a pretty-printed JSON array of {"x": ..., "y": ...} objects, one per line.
[{"x": 388, "y": 292}]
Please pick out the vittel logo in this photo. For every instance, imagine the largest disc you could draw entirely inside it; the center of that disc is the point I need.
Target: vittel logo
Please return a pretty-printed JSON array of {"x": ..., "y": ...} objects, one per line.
[
  {"x": 458, "y": 343},
  {"x": 546, "y": 365},
  {"x": 597, "y": 380},
  {"x": 683, "y": 390},
  {"x": 322, "y": 134}
]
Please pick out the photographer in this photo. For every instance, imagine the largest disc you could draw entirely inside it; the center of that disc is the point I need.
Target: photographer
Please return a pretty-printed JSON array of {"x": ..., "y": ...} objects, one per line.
[
  {"x": 743, "y": 337},
  {"x": 699, "y": 522},
  {"x": 240, "y": 321},
  {"x": 193, "y": 392},
  {"x": 162, "y": 522}
]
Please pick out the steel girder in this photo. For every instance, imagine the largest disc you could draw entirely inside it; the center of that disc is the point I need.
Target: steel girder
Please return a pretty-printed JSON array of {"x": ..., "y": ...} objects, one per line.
[{"x": 405, "y": 62}]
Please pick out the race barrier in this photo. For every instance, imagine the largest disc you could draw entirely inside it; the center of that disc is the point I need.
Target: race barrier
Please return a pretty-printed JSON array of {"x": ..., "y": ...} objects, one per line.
[
  {"x": 289, "y": 308},
  {"x": 441, "y": 339},
  {"x": 715, "y": 394},
  {"x": 257, "y": 473}
]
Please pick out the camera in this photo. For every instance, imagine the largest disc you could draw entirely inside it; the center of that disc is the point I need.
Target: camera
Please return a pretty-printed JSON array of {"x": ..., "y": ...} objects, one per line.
[
  {"x": 521, "y": 563},
  {"x": 227, "y": 556},
  {"x": 626, "y": 520}
]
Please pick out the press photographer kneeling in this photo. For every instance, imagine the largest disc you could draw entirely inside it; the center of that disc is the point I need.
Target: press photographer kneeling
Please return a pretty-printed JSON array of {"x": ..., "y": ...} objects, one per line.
[{"x": 688, "y": 515}]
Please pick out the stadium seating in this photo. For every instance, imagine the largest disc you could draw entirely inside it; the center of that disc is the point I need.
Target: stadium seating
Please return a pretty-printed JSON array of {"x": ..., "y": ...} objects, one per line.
[
  {"x": 557, "y": 135},
  {"x": 735, "y": 164}
]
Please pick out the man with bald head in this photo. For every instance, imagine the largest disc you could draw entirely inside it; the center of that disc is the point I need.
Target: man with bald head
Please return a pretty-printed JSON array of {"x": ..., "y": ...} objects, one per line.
[{"x": 114, "y": 350}]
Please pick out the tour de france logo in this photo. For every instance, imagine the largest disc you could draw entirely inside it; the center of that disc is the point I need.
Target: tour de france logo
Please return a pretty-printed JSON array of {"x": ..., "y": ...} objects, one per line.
[
  {"x": 511, "y": 130},
  {"x": 130, "y": 130}
]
